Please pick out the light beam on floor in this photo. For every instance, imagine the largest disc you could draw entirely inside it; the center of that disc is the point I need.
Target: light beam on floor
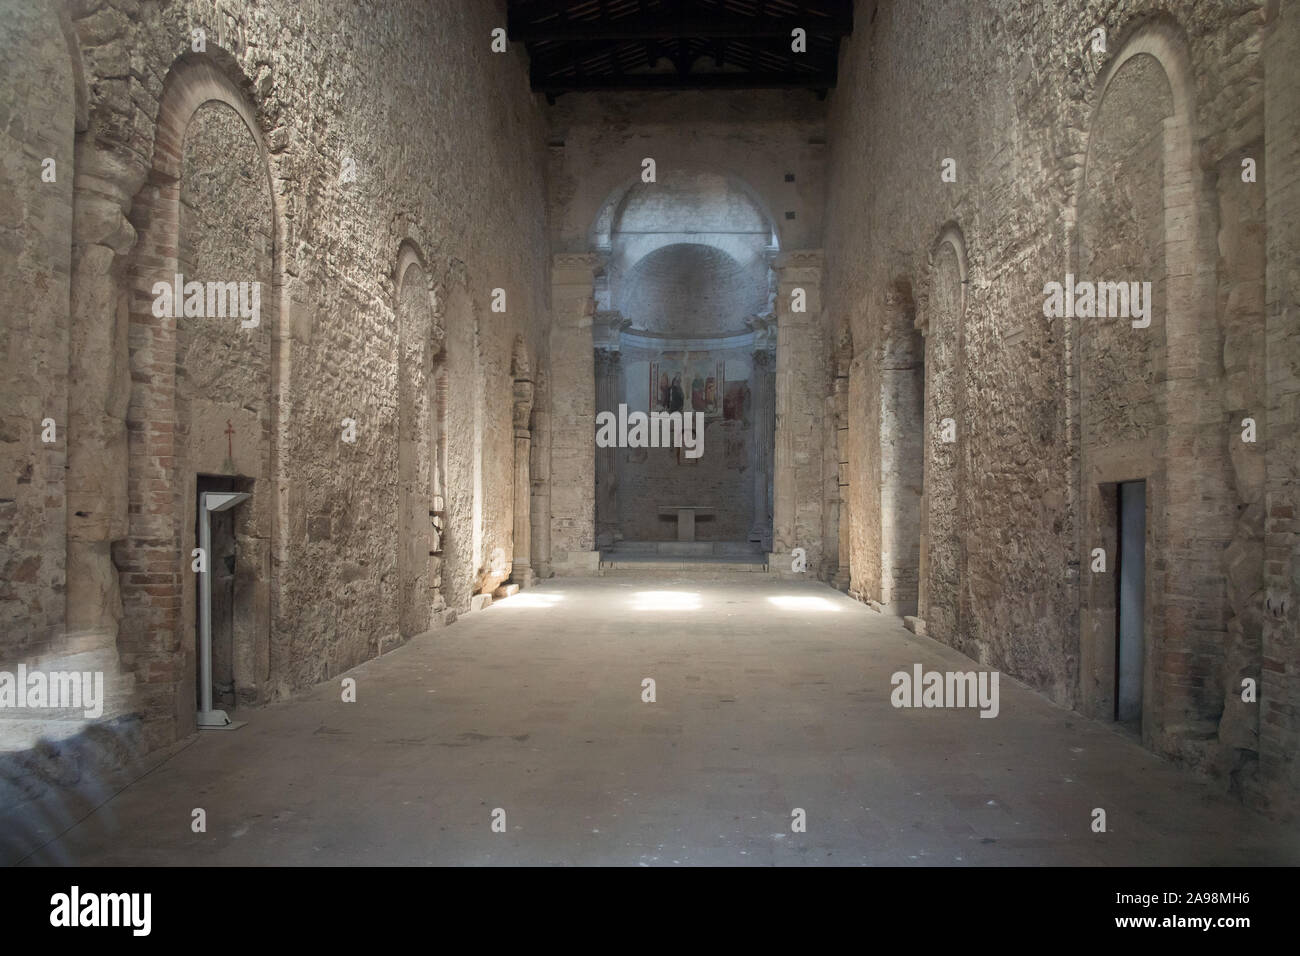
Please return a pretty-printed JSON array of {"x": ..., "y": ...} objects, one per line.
[
  {"x": 791, "y": 602},
  {"x": 533, "y": 600},
  {"x": 666, "y": 601}
]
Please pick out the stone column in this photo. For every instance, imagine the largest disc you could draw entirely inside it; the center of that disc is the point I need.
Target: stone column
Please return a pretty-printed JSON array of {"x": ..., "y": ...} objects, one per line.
[
  {"x": 573, "y": 414},
  {"x": 97, "y": 469},
  {"x": 762, "y": 401},
  {"x": 840, "y": 405},
  {"x": 521, "y": 569},
  {"x": 801, "y": 384},
  {"x": 105, "y": 181},
  {"x": 540, "y": 479}
]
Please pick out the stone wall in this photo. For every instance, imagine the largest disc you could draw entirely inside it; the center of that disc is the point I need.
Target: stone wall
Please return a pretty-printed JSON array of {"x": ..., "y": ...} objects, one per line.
[
  {"x": 1048, "y": 410},
  {"x": 423, "y": 228},
  {"x": 1279, "y": 720},
  {"x": 313, "y": 140},
  {"x": 37, "y": 116}
]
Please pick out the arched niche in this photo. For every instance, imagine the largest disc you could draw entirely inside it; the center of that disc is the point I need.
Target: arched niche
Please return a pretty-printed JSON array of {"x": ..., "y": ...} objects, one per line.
[
  {"x": 941, "y": 319},
  {"x": 204, "y": 412},
  {"x": 421, "y": 431},
  {"x": 901, "y": 406},
  {"x": 1144, "y": 422}
]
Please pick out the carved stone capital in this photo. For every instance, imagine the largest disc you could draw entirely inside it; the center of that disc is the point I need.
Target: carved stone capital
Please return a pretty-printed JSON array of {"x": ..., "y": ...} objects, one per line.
[
  {"x": 607, "y": 328},
  {"x": 799, "y": 265},
  {"x": 523, "y": 396},
  {"x": 576, "y": 268},
  {"x": 608, "y": 360},
  {"x": 764, "y": 329}
]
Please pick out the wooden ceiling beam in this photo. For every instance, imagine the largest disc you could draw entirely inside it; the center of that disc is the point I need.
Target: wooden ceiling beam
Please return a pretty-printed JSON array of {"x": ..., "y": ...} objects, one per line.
[{"x": 695, "y": 26}]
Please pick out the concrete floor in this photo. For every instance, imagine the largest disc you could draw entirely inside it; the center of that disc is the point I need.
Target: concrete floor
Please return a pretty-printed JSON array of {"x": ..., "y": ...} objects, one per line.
[{"x": 772, "y": 695}]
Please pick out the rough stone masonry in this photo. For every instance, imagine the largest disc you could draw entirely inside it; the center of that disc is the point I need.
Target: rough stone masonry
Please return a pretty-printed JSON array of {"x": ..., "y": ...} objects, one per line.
[{"x": 456, "y": 276}]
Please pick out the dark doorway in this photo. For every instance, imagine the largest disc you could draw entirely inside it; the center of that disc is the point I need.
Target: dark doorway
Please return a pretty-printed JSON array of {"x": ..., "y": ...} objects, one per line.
[
  {"x": 221, "y": 565},
  {"x": 1129, "y": 646}
]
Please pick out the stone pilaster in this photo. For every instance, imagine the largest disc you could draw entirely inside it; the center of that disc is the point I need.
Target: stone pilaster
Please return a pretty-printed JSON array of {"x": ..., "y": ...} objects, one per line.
[
  {"x": 521, "y": 567},
  {"x": 573, "y": 414},
  {"x": 801, "y": 384},
  {"x": 99, "y": 372},
  {"x": 97, "y": 468},
  {"x": 539, "y": 516},
  {"x": 839, "y": 479}
]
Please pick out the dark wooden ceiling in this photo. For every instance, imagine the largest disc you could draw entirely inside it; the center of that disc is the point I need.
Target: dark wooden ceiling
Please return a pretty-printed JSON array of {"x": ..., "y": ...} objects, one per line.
[{"x": 577, "y": 45}]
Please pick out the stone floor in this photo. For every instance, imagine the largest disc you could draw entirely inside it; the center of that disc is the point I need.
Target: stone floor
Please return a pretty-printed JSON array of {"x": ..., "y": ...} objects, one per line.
[{"x": 771, "y": 695}]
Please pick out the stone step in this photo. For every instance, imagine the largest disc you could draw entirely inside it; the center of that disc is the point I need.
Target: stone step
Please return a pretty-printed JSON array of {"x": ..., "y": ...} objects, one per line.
[
  {"x": 693, "y": 549},
  {"x": 644, "y": 565}
]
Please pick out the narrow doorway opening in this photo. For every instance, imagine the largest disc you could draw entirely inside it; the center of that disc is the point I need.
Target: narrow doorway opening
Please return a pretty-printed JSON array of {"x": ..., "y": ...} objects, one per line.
[
  {"x": 222, "y": 567},
  {"x": 1130, "y": 604}
]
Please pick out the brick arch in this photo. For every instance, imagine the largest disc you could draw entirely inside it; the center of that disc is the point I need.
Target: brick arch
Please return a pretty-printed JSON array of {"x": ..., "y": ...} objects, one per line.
[
  {"x": 1163, "y": 40},
  {"x": 158, "y": 585},
  {"x": 195, "y": 79}
]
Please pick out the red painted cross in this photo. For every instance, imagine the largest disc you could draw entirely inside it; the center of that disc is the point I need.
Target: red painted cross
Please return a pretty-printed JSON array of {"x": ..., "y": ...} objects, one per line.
[{"x": 230, "y": 431}]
